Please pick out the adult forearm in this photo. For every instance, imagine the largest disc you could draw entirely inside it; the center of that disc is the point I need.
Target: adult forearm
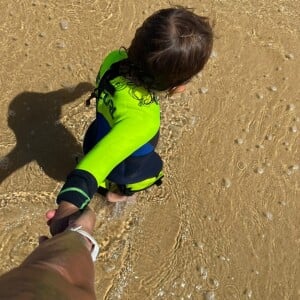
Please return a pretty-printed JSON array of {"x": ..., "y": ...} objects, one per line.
[{"x": 60, "y": 268}]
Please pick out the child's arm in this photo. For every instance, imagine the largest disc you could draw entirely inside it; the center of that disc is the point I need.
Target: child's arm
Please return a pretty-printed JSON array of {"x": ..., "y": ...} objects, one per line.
[
  {"x": 83, "y": 182},
  {"x": 124, "y": 138},
  {"x": 132, "y": 130}
]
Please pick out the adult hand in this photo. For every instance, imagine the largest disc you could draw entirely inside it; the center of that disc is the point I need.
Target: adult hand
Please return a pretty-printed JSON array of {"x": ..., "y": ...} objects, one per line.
[
  {"x": 59, "y": 268},
  {"x": 86, "y": 219},
  {"x": 59, "y": 219}
]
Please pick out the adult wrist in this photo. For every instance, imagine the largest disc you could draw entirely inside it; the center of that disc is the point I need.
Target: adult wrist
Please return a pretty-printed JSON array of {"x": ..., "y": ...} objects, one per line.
[{"x": 91, "y": 243}]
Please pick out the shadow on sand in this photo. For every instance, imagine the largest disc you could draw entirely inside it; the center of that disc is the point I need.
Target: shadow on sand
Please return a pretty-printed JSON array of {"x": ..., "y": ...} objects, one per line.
[{"x": 35, "y": 121}]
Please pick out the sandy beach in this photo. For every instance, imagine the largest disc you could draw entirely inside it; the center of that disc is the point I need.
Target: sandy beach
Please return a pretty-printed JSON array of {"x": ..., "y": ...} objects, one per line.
[{"x": 225, "y": 224}]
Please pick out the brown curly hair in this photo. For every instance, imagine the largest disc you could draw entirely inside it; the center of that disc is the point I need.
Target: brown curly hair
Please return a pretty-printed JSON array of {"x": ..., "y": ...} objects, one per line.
[{"x": 170, "y": 47}]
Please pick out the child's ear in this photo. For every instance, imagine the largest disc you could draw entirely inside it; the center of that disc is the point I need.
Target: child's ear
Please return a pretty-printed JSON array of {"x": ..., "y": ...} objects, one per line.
[{"x": 177, "y": 89}]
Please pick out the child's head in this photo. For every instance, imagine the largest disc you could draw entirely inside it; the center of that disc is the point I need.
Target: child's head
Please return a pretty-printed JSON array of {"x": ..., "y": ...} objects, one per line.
[{"x": 170, "y": 47}]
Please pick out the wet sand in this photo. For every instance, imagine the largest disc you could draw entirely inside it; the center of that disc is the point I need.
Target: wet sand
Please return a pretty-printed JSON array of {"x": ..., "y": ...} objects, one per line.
[{"x": 225, "y": 224}]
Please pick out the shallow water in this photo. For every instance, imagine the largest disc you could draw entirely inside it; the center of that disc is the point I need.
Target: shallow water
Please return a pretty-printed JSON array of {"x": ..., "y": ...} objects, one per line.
[{"x": 225, "y": 223}]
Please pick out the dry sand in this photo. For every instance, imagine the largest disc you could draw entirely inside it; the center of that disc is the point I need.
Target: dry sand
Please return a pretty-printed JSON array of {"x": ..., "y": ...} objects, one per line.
[{"x": 225, "y": 224}]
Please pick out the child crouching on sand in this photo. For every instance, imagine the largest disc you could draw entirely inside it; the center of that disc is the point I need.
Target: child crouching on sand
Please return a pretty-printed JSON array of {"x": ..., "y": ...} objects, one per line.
[{"x": 170, "y": 47}]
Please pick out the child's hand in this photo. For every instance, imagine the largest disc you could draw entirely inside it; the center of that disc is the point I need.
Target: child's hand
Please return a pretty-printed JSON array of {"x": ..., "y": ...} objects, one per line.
[{"x": 59, "y": 219}]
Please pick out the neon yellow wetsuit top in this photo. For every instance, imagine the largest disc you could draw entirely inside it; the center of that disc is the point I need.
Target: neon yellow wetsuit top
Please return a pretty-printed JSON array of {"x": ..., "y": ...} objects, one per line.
[{"x": 125, "y": 123}]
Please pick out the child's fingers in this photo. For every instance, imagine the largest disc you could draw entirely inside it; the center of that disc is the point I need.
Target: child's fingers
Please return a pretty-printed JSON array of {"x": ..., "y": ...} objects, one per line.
[{"x": 50, "y": 214}]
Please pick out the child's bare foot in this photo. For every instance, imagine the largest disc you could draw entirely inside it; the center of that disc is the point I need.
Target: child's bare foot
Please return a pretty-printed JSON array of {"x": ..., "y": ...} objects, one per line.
[{"x": 114, "y": 197}]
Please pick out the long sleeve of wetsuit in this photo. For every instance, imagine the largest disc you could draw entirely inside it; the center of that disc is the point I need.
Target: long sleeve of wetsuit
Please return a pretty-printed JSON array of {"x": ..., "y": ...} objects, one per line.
[
  {"x": 125, "y": 137},
  {"x": 133, "y": 118}
]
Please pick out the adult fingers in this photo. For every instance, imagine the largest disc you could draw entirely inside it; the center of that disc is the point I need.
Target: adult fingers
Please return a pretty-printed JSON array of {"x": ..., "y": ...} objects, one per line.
[
  {"x": 86, "y": 220},
  {"x": 43, "y": 238}
]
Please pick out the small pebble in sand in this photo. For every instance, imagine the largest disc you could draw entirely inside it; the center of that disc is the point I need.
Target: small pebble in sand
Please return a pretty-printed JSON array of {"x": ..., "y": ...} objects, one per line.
[
  {"x": 193, "y": 120},
  {"x": 61, "y": 45},
  {"x": 241, "y": 165},
  {"x": 282, "y": 202},
  {"x": 259, "y": 146},
  {"x": 273, "y": 88},
  {"x": 210, "y": 295},
  {"x": 226, "y": 182},
  {"x": 294, "y": 129},
  {"x": 42, "y": 34},
  {"x": 248, "y": 293},
  {"x": 214, "y": 54},
  {"x": 259, "y": 96},
  {"x": 109, "y": 268},
  {"x": 259, "y": 170},
  {"x": 214, "y": 282},
  {"x": 198, "y": 287},
  {"x": 161, "y": 293},
  {"x": 268, "y": 215},
  {"x": 269, "y": 137},
  {"x": 291, "y": 106},
  {"x": 203, "y": 272},
  {"x": 203, "y": 90},
  {"x": 198, "y": 245},
  {"x": 294, "y": 167},
  {"x": 290, "y": 56},
  {"x": 64, "y": 24},
  {"x": 239, "y": 141}
]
